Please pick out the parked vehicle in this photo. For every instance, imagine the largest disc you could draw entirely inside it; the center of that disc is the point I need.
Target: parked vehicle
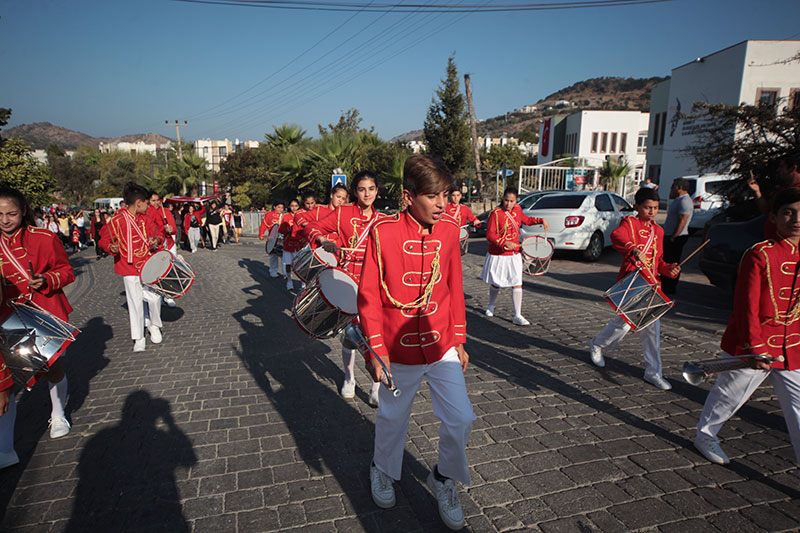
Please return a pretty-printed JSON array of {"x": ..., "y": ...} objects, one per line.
[
  {"x": 580, "y": 220},
  {"x": 526, "y": 202},
  {"x": 709, "y": 195},
  {"x": 720, "y": 259}
]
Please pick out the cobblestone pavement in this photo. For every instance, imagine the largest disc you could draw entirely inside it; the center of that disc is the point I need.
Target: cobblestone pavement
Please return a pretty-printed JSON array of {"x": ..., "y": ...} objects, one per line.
[{"x": 234, "y": 422}]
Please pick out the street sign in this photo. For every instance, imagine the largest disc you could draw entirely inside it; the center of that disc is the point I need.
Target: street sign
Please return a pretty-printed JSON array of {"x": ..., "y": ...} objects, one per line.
[
  {"x": 338, "y": 178},
  {"x": 509, "y": 172}
]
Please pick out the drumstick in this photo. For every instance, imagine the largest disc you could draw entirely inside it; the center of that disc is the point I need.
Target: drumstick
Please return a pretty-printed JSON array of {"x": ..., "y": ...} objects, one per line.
[
  {"x": 692, "y": 254},
  {"x": 30, "y": 266}
]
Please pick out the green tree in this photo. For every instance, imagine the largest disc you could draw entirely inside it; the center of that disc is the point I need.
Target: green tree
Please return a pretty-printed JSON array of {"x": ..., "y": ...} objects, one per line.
[
  {"x": 19, "y": 169},
  {"x": 74, "y": 176},
  {"x": 528, "y": 135},
  {"x": 349, "y": 124},
  {"x": 446, "y": 132},
  {"x": 612, "y": 171},
  {"x": 510, "y": 155},
  {"x": 185, "y": 175}
]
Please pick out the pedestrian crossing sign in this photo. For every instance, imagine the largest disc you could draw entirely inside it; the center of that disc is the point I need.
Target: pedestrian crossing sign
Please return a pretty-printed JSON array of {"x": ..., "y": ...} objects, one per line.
[{"x": 337, "y": 179}]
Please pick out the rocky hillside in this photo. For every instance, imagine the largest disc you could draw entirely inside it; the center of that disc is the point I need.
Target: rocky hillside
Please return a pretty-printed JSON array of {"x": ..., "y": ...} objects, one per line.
[
  {"x": 627, "y": 94},
  {"x": 41, "y": 134}
]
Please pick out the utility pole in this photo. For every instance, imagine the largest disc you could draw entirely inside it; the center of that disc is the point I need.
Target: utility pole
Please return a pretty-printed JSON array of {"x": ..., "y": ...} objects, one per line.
[
  {"x": 473, "y": 128},
  {"x": 178, "y": 130}
]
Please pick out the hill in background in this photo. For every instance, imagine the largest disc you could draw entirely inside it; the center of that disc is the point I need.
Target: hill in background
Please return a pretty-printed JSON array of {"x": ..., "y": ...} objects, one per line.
[{"x": 40, "y": 134}]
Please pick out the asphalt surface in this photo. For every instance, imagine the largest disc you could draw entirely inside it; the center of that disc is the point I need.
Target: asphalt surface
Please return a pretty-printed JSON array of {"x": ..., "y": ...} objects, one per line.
[{"x": 234, "y": 423}]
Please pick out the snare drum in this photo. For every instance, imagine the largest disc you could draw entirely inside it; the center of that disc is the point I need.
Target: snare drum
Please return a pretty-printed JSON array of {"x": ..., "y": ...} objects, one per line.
[
  {"x": 463, "y": 235},
  {"x": 167, "y": 275},
  {"x": 328, "y": 304},
  {"x": 537, "y": 252},
  {"x": 274, "y": 241},
  {"x": 31, "y": 340},
  {"x": 638, "y": 299},
  {"x": 309, "y": 262}
]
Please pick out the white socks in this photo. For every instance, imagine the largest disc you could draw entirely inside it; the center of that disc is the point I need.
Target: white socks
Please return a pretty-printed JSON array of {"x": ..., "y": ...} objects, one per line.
[
  {"x": 375, "y": 387},
  {"x": 58, "y": 397},
  {"x": 7, "y": 426},
  {"x": 348, "y": 362},
  {"x": 516, "y": 297},
  {"x": 493, "y": 292}
]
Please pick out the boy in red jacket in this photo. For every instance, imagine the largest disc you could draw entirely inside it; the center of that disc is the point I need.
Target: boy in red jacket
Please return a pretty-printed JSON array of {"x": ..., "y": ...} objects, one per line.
[
  {"x": 129, "y": 236},
  {"x": 765, "y": 321},
  {"x": 639, "y": 240},
  {"x": 411, "y": 308}
]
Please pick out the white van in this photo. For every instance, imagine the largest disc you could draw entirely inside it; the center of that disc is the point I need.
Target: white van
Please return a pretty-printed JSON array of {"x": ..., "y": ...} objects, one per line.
[
  {"x": 107, "y": 203},
  {"x": 709, "y": 194}
]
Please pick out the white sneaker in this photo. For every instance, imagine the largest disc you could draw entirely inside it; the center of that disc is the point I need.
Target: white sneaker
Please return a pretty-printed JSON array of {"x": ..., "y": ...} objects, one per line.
[
  {"x": 58, "y": 427},
  {"x": 274, "y": 275},
  {"x": 520, "y": 320},
  {"x": 658, "y": 381},
  {"x": 155, "y": 334},
  {"x": 146, "y": 322},
  {"x": 170, "y": 302},
  {"x": 139, "y": 345},
  {"x": 349, "y": 388},
  {"x": 710, "y": 449},
  {"x": 382, "y": 488},
  {"x": 374, "y": 399},
  {"x": 8, "y": 459},
  {"x": 446, "y": 495},
  {"x": 596, "y": 353},
  {"x": 489, "y": 311}
]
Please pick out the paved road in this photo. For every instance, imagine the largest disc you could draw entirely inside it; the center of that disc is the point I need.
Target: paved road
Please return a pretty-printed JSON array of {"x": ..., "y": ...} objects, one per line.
[{"x": 234, "y": 422}]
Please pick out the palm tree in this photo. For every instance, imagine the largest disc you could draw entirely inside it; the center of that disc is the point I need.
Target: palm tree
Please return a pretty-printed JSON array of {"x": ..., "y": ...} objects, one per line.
[
  {"x": 612, "y": 171},
  {"x": 186, "y": 174}
]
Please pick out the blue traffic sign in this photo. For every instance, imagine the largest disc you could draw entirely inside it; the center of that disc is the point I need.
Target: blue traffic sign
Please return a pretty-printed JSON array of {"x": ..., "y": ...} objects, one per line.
[{"x": 337, "y": 179}]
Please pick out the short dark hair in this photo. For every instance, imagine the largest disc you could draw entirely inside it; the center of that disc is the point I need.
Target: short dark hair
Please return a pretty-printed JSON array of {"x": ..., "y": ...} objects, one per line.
[
  {"x": 787, "y": 196},
  {"x": 683, "y": 183},
  {"x": 790, "y": 160},
  {"x": 154, "y": 193},
  {"x": 423, "y": 174},
  {"x": 134, "y": 191},
  {"x": 644, "y": 194},
  {"x": 22, "y": 204},
  {"x": 511, "y": 190},
  {"x": 308, "y": 194},
  {"x": 338, "y": 187},
  {"x": 279, "y": 202}
]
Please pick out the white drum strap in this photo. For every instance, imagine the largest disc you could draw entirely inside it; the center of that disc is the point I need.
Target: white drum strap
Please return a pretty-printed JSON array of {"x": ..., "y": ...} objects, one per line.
[
  {"x": 13, "y": 260},
  {"x": 130, "y": 222}
]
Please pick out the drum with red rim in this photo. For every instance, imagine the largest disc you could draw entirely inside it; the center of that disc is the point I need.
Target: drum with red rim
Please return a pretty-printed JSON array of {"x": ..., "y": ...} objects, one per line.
[
  {"x": 536, "y": 255},
  {"x": 168, "y": 275},
  {"x": 638, "y": 299},
  {"x": 328, "y": 304},
  {"x": 309, "y": 262},
  {"x": 463, "y": 236}
]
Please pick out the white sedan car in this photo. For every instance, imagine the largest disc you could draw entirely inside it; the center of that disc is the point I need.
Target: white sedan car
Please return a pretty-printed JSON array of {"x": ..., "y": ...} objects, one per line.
[{"x": 579, "y": 220}]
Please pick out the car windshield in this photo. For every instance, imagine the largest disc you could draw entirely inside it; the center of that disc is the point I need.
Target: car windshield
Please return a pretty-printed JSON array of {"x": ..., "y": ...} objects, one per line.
[
  {"x": 529, "y": 200},
  {"x": 560, "y": 201}
]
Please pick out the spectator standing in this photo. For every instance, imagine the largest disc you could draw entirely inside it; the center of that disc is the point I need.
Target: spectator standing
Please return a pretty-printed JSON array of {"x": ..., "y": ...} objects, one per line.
[
  {"x": 214, "y": 224},
  {"x": 238, "y": 224},
  {"x": 676, "y": 229},
  {"x": 95, "y": 225},
  {"x": 192, "y": 222}
]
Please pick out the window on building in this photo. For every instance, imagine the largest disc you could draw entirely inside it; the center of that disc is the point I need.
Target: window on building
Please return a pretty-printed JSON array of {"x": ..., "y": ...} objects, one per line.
[
  {"x": 223, "y": 151},
  {"x": 623, "y": 141},
  {"x": 641, "y": 146},
  {"x": 794, "y": 98},
  {"x": 767, "y": 97},
  {"x": 603, "y": 142},
  {"x": 594, "y": 142},
  {"x": 613, "y": 147},
  {"x": 656, "y": 128},
  {"x": 663, "y": 127},
  {"x": 205, "y": 150}
]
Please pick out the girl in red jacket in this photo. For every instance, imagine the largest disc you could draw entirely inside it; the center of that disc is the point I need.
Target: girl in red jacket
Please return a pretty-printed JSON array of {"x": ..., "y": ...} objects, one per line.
[
  {"x": 34, "y": 266},
  {"x": 503, "y": 265}
]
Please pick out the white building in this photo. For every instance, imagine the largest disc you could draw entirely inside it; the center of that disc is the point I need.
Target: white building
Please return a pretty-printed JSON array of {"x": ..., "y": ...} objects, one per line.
[
  {"x": 41, "y": 155},
  {"x": 594, "y": 136},
  {"x": 214, "y": 152},
  {"x": 138, "y": 147},
  {"x": 750, "y": 72},
  {"x": 245, "y": 145},
  {"x": 527, "y": 109},
  {"x": 416, "y": 146}
]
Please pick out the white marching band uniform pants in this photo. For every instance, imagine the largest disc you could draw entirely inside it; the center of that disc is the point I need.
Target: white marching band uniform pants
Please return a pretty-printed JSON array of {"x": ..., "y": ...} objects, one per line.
[
  {"x": 451, "y": 405},
  {"x": 732, "y": 389},
  {"x": 137, "y": 295},
  {"x": 615, "y": 331}
]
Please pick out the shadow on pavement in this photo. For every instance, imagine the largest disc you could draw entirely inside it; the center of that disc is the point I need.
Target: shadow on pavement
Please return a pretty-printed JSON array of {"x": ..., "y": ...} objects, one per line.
[
  {"x": 330, "y": 435},
  {"x": 529, "y": 374},
  {"x": 127, "y": 471}
]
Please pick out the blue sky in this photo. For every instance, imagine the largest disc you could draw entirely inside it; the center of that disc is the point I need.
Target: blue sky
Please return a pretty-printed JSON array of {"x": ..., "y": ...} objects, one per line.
[{"x": 112, "y": 67}]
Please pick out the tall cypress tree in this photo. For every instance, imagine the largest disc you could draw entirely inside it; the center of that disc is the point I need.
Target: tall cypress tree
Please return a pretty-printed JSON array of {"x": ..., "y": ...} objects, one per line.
[{"x": 446, "y": 132}]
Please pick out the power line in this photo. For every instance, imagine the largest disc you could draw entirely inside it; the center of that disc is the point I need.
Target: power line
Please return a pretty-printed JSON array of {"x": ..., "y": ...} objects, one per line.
[{"x": 436, "y": 8}]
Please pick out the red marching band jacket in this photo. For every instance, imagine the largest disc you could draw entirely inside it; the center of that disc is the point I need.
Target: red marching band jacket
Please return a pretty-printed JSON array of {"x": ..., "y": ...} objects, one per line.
[
  {"x": 647, "y": 237},
  {"x": 503, "y": 226},
  {"x": 131, "y": 234},
  {"x": 411, "y": 299},
  {"x": 352, "y": 227},
  {"x": 304, "y": 217},
  {"x": 766, "y": 309},
  {"x": 461, "y": 214},
  {"x": 41, "y": 250},
  {"x": 161, "y": 218},
  {"x": 292, "y": 241},
  {"x": 269, "y": 220}
]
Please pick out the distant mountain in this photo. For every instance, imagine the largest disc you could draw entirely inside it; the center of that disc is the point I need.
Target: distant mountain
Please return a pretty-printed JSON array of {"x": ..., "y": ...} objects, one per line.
[
  {"x": 41, "y": 134},
  {"x": 406, "y": 137},
  {"x": 626, "y": 94}
]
